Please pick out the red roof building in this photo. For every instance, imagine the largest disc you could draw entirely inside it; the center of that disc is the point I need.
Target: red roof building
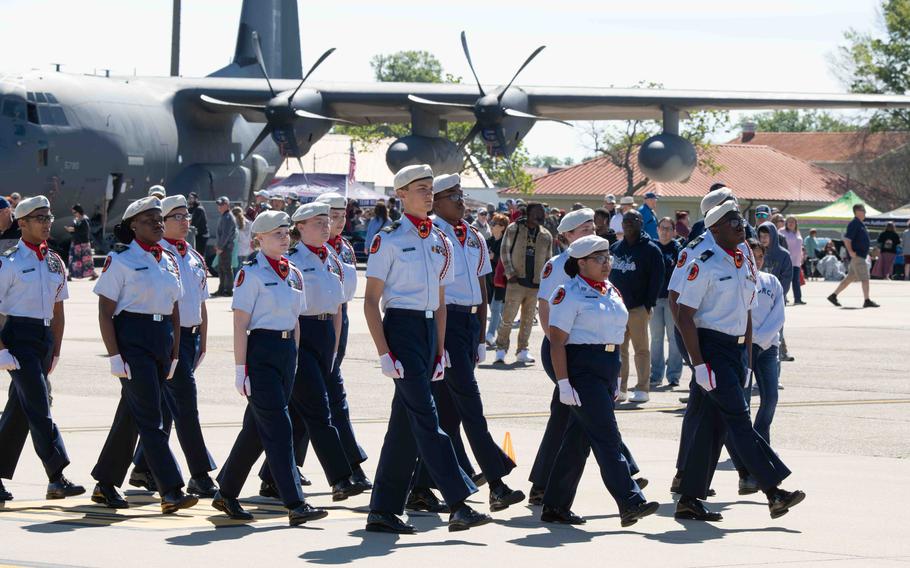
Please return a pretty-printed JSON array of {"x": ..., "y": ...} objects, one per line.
[{"x": 828, "y": 147}]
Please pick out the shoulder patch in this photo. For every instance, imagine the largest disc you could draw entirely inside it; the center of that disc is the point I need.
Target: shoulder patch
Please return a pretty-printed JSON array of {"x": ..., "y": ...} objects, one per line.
[
  {"x": 120, "y": 247},
  {"x": 706, "y": 255},
  {"x": 392, "y": 227},
  {"x": 10, "y": 251},
  {"x": 548, "y": 269},
  {"x": 682, "y": 260},
  {"x": 560, "y": 295},
  {"x": 693, "y": 272},
  {"x": 377, "y": 242},
  {"x": 107, "y": 264},
  {"x": 696, "y": 241},
  {"x": 241, "y": 276}
]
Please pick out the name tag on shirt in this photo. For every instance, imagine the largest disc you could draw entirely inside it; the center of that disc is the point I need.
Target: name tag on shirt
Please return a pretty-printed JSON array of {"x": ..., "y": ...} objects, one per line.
[
  {"x": 142, "y": 268},
  {"x": 308, "y": 270},
  {"x": 27, "y": 270},
  {"x": 725, "y": 278},
  {"x": 271, "y": 283},
  {"x": 409, "y": 249}
]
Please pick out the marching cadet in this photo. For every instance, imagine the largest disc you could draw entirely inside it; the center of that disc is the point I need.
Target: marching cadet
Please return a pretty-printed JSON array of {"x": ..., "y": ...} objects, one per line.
[
  {"x": 268, "y": 298},
  {"x": 409, "y": 267},
  {"x": 32, "y": 290},
  {"x": 587, "y": 321},
  {"x": 466, "y": 314},
  {"x": 715, "y": 320},
  {"x": 139, "y": 317},
  {"x": 320, "y": 328},
  {"x": 179, "y": 394}
]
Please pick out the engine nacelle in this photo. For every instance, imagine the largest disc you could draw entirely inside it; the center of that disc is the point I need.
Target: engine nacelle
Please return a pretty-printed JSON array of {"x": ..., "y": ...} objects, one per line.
[
  {"x": 667, "y": 158},
  {"x": 439, "y": 153}
]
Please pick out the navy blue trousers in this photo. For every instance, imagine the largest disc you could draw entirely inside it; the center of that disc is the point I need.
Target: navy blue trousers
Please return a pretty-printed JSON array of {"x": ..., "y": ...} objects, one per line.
[
  {"x": 28, "y": 407},
  {"x": 311, "y": 416},
  {"x": 413, "y": 424},
  {"x": 450, "y": 423},
  {"x": 724, "y": 413},
  {"x": 592, "y": 373},
  {"x": 179, "y": 405},
  {"x": 556, "y": 434},
  {"x": 145, "y": 346},
  {"x": 266, "y": 424}
]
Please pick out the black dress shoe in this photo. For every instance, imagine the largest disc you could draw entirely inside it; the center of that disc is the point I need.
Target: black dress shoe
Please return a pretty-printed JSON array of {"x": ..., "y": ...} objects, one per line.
[
  {"x": 143, "y": 479},
  {"x": 344, "y": 489},
  {"x": 631, "y": 516},
  {"x": 642, "y": 482},
  {"x": 387, "y": 523},
  {"x": 560, "y": 515},
  {"x": 268, "y": 489},
  {"x": 360, "y": 478},
  {"x": 674, "y": 487},
  {"x": 230, "y": 507},
  {"x": 690, "y": 508},
  {"x": 175, "y": 499},
  {"x": 109, "y": 496},
  {"x": 305, "y": 512},
  {"x": 304, "y": 482},
  {"x": 479, "y": 479},
  {"x": 536, "y": 495},
  {"x": 503, "y": 496},
  {"x": 4, "y": 494},
  {"x": 202, "y": 486},
  {"x": 748, "y": 485},
  {"x": 424, "y": 500},
  {"x": 63, "y": 488},
  {"x": 783, "y": 501},
  {"x": 467, "y": 518}
]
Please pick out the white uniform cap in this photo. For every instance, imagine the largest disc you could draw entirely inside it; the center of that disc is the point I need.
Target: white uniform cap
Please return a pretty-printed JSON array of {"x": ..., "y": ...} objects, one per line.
[
  {"x": 716, "y": 213},
  {"x": 334, "y": 199},
  {"x": 168, "y": 204},
  {"x": 141, "y": 206},
  {"x": 276, "y": 195},
  {"x": 310, "y": 210},
  {"x": 408, "y": 174},
  {"x": 575, "y": 219},
  {"x": 715, "y": 198},
  {"x": 268, "y": 221},
  {"x": 588, "y": 245},
  {"x": 261, "y": 193},
  {"x": 158, "y": 191},
  {"x": 26, "y": 206},
  {"x": 444, "y": 182}
]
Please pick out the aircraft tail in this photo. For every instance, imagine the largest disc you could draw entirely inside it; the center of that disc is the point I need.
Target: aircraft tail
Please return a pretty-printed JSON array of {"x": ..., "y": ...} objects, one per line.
[{"x": 277, "y": 24}]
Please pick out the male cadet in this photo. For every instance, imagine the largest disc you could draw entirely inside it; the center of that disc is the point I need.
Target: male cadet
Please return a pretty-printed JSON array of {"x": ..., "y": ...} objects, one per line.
[
  {"x": 715, "y": 320},
  {"x": 276, "y": 202},
  {"x": 466, "y": 317},
  {"x": 32, "y": 291},
  {"x": 157, "y": 191},
  {"x": 410, "y": 264},
  {"x": 698, "y": 229},
  {"x": 292, "y": 201},
  {"x": 179, "y": 404}
]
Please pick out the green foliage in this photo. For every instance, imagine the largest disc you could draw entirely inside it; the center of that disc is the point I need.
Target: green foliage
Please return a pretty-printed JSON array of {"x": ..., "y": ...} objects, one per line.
[
  {"x": 550, "y": 161},
  {"x": 800, "y": 121}
]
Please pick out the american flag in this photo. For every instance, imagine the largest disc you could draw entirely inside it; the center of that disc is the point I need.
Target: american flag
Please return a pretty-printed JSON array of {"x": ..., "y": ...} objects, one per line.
[{"x": 352, "y": 165}]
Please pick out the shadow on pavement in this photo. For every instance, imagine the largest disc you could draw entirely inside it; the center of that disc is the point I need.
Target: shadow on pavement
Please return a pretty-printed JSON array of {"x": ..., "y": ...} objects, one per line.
[
  {"x": 228, "y": 532},
  {"x": 373, "y": 545}
]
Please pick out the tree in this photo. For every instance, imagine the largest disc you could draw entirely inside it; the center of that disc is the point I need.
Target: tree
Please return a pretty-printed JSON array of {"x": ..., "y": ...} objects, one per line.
[
  {"x": 550, "y": 161},
  {"x": 800, "y": 121}
]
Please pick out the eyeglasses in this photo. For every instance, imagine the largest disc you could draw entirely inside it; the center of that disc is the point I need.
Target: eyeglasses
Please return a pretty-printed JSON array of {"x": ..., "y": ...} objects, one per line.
[
  {"x": 456, "y": 197},
  {"x": 736, "y": 222},
  {"x": 179, "y": 217},
  {"x": 43, "y": 219},
  {"x": 599, "y": 258}
]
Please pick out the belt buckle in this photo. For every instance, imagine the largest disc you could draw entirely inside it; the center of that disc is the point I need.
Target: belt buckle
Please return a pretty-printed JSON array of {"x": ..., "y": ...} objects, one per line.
[
  {"x": 285, "y": 335},
  {"x": 47, "y": 322},
  {"x": 428, "y": 314},
  {"x": 609, "y": 348},
  {"x": 473, "y": 309},
  {"x": 741, "y": 339},
  {"x": 194, "y": 329},
  {"x": 157, "y": 317}
]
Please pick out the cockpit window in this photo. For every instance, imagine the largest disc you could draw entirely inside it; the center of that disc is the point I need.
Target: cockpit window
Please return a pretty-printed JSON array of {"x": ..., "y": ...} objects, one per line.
[
  {"x": 41, "y": 97},
  {"x": 13, "y": 108},
  {"x": 32, "y": 112},
  {"x": 58, "y": 117},
  {"x": 51, "y": 98},
  {"x": 31, "y": 96}
]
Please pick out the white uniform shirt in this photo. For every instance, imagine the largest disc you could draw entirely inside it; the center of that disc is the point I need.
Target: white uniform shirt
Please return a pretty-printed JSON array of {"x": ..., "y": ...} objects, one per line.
[
  {"x": 589, "y": 316},
  {"x": 193, "y": 274},
  {"x": 470, "y": 262},
  {"x": 553, "y": 275},
  {"x": 412, "y": 267},
  {"x": 30, "y": 287},
  {"x": 693, "y": 250},
  {"x": 722, "y": 291},
  {"x": 274, "y": 303},
  {"x": 138, "y": 282},
  {"x": 322, "y": 279},
  {"x": 616, "y": 223},
  {"x": 345, "y": 252},
  {"x": 768, "y": 313}
]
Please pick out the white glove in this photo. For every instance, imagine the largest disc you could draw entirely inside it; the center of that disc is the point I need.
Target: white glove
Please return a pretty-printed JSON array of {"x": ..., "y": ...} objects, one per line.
[
  {"x": 119, "y": 368},
  {"x": 199, "y": 359},
  {"x": 7, "y": 361},
  {"x": 439, "y": 370},
  {"x": 391, "y": 367},
  {"x": 446, "y": 362},
  {"x": 334, "y": 358},
  {"x": 241, "y": 380},
  {"x": 617, "y": 392},
  {"x": 750, "y": 376},
  {"x": 170, "y": 374},
  {"x": 567, "y": 395},
  {"x": 704, "y": 377},
  {"x": 53, "y": 365},
  {"x": 481, "y": 353}
]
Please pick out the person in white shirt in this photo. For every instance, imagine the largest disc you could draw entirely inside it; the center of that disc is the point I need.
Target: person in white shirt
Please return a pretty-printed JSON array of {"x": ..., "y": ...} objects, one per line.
[{"x": 626, "y": 204}]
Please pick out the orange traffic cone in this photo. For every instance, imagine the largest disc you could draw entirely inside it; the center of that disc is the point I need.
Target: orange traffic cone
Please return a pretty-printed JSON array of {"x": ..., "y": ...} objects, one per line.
[{"x": 507, "y": 447}]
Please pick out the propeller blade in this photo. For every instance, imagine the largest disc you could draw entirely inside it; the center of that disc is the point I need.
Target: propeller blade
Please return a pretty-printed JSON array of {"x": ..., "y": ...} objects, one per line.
[
  {"x": 319, "y": 61},
  {"x": 262, "y": 136},
  {"x": 428, "y": 102},
  {"x": 470, "y": 136},
  {"x": 314, "y": 116},
  {"x": 213, "y": 101},
  {"x": 519, "y": 114},
  {"x": 520, "y": 69},
  {"x": 501, "y": 140},
  {"x": 467, "y": 54},
  {"x": 261, "y": 61}
]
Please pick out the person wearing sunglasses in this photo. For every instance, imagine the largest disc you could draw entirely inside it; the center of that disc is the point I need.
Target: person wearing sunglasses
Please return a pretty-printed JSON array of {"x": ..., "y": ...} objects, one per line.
[{"x": 32, "y": 290}]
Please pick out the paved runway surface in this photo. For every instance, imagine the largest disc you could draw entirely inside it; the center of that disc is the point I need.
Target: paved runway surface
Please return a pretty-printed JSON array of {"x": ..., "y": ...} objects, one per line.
[{"x": 843, "y": 426}]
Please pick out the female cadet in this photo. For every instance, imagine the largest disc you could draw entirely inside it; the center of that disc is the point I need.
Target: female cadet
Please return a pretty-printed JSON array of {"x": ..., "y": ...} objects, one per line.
[
  {"x": 32, "y": 291},
  {"x": 320, "y": 327},
  {"x": 140, "y": 325},
  {"x": 587, "y": 323},
  {"x": 268, "y": 297}
]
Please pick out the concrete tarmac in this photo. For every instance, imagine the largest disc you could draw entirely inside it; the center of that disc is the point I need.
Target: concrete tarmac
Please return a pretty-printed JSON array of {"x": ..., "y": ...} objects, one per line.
[{"x": 842, "y": 426}]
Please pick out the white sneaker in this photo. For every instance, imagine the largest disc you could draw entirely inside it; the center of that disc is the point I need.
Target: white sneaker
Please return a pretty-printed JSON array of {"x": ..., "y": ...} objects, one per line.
[
  {"x": 639, "y": 396},
  {"x": 500, "y": 356},
  {"x": 524, "y": 356},
  {"x": 622, "y": 397}
]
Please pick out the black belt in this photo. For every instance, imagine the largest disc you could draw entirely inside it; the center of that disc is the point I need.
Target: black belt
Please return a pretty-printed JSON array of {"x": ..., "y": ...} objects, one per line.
[
  {"x": 150, "y": 317},
  {"x": 723, "y": 337},
  {"x": 422, "y": 314},
  {"x": 277, "y": 334},
  {"x": 29, "y": 321},
  {"x": 318, "y": 317},
  {"x": 462, "y": 309},
  {"x": 191, "y": 330},
  {"x": 608, "y": 347}
]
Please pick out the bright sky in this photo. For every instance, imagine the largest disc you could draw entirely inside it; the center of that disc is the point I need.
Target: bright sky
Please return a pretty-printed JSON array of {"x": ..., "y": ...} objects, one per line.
[{"x": 770, "y": 45}]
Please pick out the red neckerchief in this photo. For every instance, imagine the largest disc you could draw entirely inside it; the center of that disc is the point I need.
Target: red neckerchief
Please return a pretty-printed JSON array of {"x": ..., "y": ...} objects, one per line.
[
  {"x": 423, "y": 225},
  {"x": 280, "y": 266},
  {"x": 154, "y": 249},
  {"x": 179, "y": 244},
  {"x": 737, "y": 256},
  {"x": 318, "y": 251},
  {"x": 598, "y": 285},
  {"x": 39, "y": 250},
  {"x": 336, "y": 243},
  {"x": 461, "y": 232}
]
